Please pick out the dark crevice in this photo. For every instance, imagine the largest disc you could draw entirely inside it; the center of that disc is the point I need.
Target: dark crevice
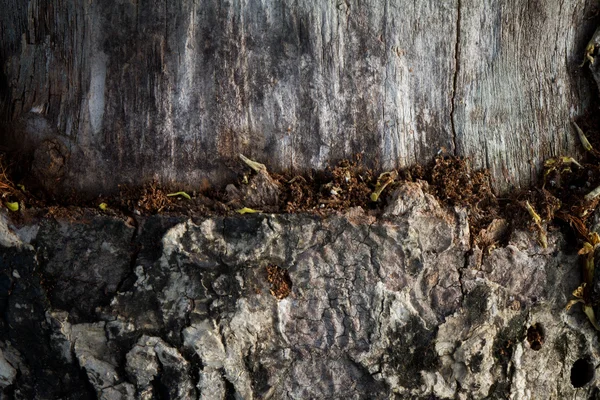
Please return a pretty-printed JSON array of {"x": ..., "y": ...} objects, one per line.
[
  {"x": 119, "y": 347},
  {"x": 455, "y": 78},
  {"x": 160, "y": 388},
  {"x": 468, "y": 254},
  {"x": 88, "y": 385},
  {"x": 367, "y": 380},
  {"x": 9, "y": 392},
  {"x": 229, "y": 388},
  {"x": 83, "y": 376},
  {"x": 130, "y": 277},
  {"x": 195, "y": 367}
]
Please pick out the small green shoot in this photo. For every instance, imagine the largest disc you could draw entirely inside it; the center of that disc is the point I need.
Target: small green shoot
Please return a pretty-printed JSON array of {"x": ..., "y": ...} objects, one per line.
[
  {"x": 592, "y": 195},
  {"x": 553, "y": 162},
  {"x": 582, "y": 138},
  {"x": 589, "y": 51},
  {"x": 182, "y": 194},
  {"x": 591, "y": 48},
  {"x": 12, "y": 206},
  {"x": 103, "y": 206},
  {"x": 589, "y": 311},
  {"x": 583, "y": 293},
  {"x": 560, "y": 165},
  {"x": 258, "y": 167},
  {"x": 536, "y": 218},
  {"x": 247, "y": 210},
  {"x": 542, "y": 238},
  {"x": 384, "y": 179}
]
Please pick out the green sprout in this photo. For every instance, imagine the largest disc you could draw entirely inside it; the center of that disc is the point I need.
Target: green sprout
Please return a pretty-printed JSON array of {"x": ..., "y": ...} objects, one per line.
[
  {"x": 560, "y": 164},
  {"x": 182, "y": 194},
  {"x": 384, "y": 179},
  {"x": 553, "y": 162},
  {"x": 103, "y": 206},
  {"x": 12, "y": 206},
  {"x": 590, "y": 49},
  {"x": 247, "y": 210},
  {"x": 542, "y": 238},
  {"x": 583, "y": 293},
  {"x": 536, "y": 217},
  {"x": 592, "y": 195},
  {"x": 582, "y": 138},
  {"x": 258, "y": 167}
]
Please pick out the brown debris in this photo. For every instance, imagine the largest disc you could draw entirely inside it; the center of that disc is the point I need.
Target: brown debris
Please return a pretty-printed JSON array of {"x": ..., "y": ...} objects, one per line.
[
  {"x": 11, "y": 195},
  {"x": 575, "y": 223},
  {"x": 261, "y": 191},
  {"x": 454, "y": 182},
  {"x": 281, "y": 283},
  {"x": 149, "y": 200},
  {"x": 535, "y": 336},
  {"x": 349, "y": 184},
  {"x": 70, "y": 214},
  {"x": 494, "y": 233},
  {"x": 7, "y": 187}
]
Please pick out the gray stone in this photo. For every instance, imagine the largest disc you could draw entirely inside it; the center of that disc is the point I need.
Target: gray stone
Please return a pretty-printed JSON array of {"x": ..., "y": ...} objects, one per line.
[
  {"x": 396, "y": 306},
  {"x": 95, "y": 253},
  {"x": 150, "y": 357},
  {"x": 8, "y": 373}
]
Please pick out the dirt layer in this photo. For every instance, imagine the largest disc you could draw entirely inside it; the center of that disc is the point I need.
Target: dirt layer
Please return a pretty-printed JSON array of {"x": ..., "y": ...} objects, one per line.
[{"x": 562, "y": 199}]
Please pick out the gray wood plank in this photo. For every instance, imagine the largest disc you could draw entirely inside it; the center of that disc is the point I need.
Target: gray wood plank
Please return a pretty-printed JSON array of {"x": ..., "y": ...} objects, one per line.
[
  {"x": 519, "y": 84},
  {"x": 173, "y": 91}
]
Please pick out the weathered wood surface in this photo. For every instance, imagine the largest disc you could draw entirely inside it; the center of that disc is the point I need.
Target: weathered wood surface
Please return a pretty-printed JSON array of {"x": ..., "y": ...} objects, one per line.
[{"x": 129, "y": 91}]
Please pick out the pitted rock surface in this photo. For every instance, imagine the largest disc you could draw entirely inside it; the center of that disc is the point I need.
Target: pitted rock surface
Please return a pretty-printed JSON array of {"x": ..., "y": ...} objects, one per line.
[{"x": 398, "y": 306}]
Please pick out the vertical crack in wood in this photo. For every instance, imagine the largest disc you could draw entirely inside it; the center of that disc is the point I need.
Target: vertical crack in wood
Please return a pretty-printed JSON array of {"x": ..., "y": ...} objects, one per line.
[
  {"x": 455, "y": 77},
  {"x": 386, "y": 51},
  {"x": 166, "y": 27}
]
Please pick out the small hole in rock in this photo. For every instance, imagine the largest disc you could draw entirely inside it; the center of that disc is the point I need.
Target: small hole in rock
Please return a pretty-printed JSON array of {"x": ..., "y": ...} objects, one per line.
[
  {"x": 281, "y": 283},
  {"x": 582, "y": 373},
  {"x": 535, "y": 336}
]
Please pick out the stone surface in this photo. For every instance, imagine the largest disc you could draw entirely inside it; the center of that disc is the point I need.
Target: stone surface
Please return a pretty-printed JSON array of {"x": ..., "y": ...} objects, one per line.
[
  {"x": 102, "y": 93},
  {"x": 399, "y": 306}
]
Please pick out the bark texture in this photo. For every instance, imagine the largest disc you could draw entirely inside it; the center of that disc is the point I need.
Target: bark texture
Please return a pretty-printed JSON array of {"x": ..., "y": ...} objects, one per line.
[
  {"x": 130, "y": 91},
  {"x": 400, "y": 307}
]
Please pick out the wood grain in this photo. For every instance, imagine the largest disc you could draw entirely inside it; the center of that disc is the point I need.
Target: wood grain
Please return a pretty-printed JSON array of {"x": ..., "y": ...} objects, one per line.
[{"x": 141, "y": 90}]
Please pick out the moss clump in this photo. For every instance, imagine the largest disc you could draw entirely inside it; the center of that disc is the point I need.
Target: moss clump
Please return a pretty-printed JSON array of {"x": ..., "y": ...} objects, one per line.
[
  {"x": 507, "y": 339},
  {"x": 412, "y": 350},
  {"x": 476, "y": 305}
]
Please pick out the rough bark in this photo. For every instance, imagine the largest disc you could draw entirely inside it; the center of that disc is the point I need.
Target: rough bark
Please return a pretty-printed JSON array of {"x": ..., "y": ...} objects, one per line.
[
  {"x": 130, "y": 91},
  {"x": 400, "y": 307}
]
